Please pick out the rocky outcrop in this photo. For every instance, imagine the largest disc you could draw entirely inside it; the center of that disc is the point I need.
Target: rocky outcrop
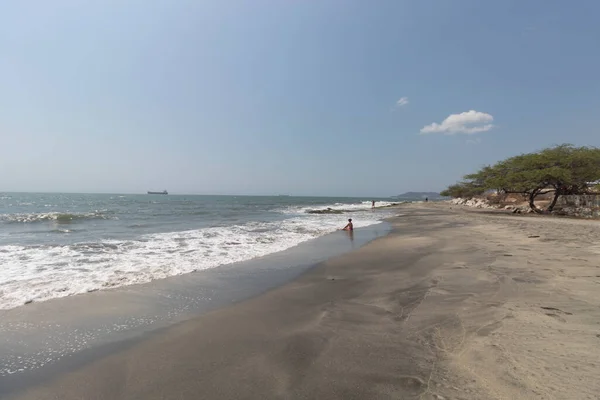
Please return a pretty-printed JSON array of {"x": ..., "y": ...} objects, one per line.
[
  {"x": 568, "y": 206},
  {"x": 519, "y": 210},
  {"x": 330, "y": 210},
  {"x": 475, "y": 203},
  {"x": 393, "y": 204},
  {"x": 579, "y": 212},
  {"x": 581, "y": 206},
  {"x": 483, "y": 203},
  {"x": 326, "y": 211}
]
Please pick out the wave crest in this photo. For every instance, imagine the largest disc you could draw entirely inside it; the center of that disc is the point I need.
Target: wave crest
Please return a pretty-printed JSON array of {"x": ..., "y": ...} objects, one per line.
[{"x": 59, "y": 217}]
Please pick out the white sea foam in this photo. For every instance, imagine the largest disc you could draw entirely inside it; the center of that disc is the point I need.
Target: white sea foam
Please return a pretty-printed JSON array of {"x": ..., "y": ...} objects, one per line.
[
  {"x": 363, "y": 206},
  {"x": 54, "y": 216},
  {"x": 38, "y": 273}
]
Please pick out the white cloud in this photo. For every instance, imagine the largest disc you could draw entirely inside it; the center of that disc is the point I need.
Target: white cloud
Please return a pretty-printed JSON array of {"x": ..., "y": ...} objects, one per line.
[
  {"x": 402, "y": 102},
  {"x": 468, "y": 122}
]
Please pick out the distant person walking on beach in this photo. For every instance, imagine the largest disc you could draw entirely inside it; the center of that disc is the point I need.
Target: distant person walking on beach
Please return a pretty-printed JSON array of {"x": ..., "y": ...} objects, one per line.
[
  {"x": 349, "y": 226},
  {"x": 373, "y": 203},
  {"x": 426, "y": 199}
]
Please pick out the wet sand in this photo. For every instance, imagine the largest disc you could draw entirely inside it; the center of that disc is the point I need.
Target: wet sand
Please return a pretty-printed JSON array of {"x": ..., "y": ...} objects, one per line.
[
  {"x": 452, "y": 304},
  {"x": 44, "y": 339}
]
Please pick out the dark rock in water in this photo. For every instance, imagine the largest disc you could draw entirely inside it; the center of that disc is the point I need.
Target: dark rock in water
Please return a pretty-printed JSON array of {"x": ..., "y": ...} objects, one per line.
[
  {"x": 394, "y": 204},
  {"x": 421, "y": 195},
  {"x": 327, "y": 211},
  {"x": 330, "y": 210},
  {"x": 28, "y": 302}
]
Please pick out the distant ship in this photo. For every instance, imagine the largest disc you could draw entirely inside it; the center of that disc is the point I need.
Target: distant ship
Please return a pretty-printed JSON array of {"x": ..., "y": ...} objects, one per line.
[{"x": 163, "y": 192}]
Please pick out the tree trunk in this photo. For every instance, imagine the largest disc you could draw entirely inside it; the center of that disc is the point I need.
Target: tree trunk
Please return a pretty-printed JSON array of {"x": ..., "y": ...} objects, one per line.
[
  {"x": 554, "y": 200},
  {"x": 532, "y": 197}
]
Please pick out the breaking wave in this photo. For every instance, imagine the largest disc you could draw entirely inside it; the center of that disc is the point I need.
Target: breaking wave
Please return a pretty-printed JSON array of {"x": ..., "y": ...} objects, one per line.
[{"x": 62, "y": 218}]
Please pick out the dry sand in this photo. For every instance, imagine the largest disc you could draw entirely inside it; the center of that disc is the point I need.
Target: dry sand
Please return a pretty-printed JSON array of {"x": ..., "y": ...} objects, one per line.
[{"x": 451, "y": 305}]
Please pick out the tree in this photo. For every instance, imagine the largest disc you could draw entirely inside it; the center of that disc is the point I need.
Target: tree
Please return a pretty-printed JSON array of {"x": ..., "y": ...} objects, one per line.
[
  {"x": 561, "y": 170},
  {"x": 463, "y": 189}
]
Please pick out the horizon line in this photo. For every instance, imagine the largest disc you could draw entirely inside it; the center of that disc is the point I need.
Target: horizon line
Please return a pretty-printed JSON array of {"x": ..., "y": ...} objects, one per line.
[{"x": 211, "y": 194}]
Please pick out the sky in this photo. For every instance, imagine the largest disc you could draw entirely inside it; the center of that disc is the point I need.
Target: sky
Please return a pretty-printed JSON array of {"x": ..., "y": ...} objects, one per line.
[{"x": 315, "y": 97}]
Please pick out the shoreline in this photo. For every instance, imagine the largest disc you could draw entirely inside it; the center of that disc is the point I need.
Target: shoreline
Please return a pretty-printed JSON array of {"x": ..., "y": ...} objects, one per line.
[
  {"x": 447, "y": 305},
  {"x": 59, "y": 246},
  {"x": 56, "y": 336}
]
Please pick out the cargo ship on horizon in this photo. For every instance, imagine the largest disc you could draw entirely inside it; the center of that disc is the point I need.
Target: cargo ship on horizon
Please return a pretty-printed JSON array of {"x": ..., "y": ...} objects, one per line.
[{"x": 163, "y": 192}]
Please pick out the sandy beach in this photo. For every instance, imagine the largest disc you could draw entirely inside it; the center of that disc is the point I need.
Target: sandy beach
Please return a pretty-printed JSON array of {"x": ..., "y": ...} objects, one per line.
[{"x": 452, "y": 304}]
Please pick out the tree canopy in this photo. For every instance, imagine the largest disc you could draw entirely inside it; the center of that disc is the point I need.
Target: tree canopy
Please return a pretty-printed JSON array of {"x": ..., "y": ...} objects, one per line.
[
  {"x": 462, "y": 189},
  {"x": 562, "y": 170}
]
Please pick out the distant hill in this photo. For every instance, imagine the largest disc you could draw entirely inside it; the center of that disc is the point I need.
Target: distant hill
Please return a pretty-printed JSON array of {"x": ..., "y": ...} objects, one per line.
[{"x": 420, "y": 195}]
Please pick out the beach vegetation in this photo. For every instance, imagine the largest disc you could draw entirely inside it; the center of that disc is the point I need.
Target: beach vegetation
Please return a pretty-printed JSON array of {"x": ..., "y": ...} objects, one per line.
[
  {"x": 560, "y": 170},
  {"x": 464, "y": 190}
]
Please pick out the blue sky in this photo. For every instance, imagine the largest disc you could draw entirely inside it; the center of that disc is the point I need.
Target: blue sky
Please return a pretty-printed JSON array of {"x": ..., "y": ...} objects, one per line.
[{"x": 300, "y": 97}]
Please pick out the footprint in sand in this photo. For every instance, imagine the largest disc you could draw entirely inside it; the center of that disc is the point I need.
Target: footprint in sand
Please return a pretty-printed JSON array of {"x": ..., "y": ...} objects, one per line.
[
  {"x": 557, "y": 317},
  {"x": 557, "y": 310},
  {"x": 487, "y": 329}
]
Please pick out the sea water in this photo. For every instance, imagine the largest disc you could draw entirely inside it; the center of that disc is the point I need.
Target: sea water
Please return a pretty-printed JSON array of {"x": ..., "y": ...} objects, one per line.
[{"x": 56, "y": 245}]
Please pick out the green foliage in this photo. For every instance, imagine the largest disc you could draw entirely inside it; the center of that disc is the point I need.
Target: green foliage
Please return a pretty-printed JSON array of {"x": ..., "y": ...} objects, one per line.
[
  {"x": 463, "y": 189},
  {"x": 563, "y": 169}
]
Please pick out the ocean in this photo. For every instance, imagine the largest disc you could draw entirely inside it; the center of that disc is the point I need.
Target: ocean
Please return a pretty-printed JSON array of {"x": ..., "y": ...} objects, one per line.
[{"x": 56, "y": 245}]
